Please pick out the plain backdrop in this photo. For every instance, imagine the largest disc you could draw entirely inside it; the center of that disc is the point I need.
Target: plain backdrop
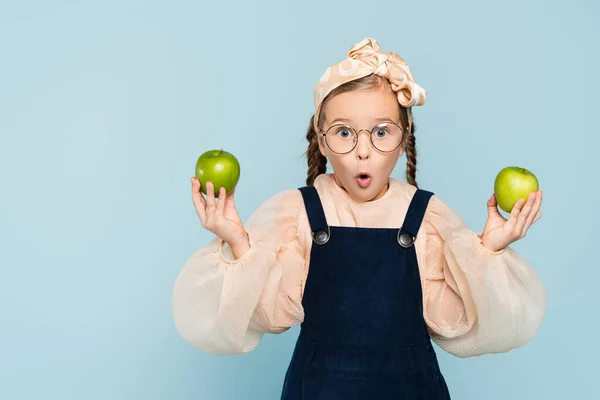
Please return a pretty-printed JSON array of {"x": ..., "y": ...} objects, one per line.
[{"x": 106, "y": 105}]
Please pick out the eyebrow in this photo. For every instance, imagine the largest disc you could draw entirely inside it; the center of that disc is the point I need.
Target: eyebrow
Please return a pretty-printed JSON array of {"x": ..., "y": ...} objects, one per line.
[{"x": 349, "y": 120}]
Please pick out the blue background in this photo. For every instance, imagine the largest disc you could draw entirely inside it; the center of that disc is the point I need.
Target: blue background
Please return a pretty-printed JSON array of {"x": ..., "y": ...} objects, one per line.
[{"x": 105, "y": 107}]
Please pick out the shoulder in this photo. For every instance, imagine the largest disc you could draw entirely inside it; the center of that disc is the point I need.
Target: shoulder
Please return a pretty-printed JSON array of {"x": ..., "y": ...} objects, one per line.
[
  {"x": 404, "y": 189},
  {"x": 284, "y": 201},
  {"x": 440, "y": 214},
  {"x": 401, "y": 189},
  {"x": 436, "y": 207},
  {"x": 283, "y": 207},
  {"x": 283, "y": 213}
]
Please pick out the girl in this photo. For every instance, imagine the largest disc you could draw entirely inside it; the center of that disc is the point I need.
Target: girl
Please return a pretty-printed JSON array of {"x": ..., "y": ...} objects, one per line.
[{"x": 371, "y": 267}]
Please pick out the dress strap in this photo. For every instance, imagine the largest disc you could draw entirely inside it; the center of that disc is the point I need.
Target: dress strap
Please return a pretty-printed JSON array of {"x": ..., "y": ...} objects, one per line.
[
  {"x": 316, "y": 215},
  {"x": 414, "y": 216}
]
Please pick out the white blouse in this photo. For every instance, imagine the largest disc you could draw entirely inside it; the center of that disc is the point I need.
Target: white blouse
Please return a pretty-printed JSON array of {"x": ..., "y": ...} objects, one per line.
[{"x": 475, "y": 301}]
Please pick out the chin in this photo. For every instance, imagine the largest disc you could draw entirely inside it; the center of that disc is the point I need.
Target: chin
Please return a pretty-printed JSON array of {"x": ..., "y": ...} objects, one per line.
[{"x": 363, "y": 194}]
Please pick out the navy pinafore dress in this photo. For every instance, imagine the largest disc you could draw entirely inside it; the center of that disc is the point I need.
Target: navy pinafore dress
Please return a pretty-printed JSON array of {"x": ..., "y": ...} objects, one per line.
[{"x": 363, "y": 335}]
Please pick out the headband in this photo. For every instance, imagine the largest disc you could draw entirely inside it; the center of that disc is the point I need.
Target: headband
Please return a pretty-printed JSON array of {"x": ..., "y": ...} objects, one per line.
[{"x": 365, "y": 58}]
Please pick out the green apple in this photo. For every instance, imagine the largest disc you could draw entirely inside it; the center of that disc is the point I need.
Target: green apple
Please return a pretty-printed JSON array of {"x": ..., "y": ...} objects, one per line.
[
  {"x": 219, "y": 167},
  {"x": 513, "y": 183}
]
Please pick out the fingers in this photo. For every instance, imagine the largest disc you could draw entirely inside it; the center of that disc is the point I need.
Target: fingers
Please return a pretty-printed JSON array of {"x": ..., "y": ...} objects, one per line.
[
  {"x": 211, "y": 210},
  {"x": 513, "y": 218},
  {"x": 535, "y": 213},
  {"x": 521, "y": 217},
  {"x": 492, "y": 205},
  {"x": 210, "y": 201},
  {"x": 198, "y": 200},
  {"x": 214, "y": 208},
  {"x": 524, "y": 213},
  {"x": 537, "y": 216},
  {"x": 221, "y": 203}
]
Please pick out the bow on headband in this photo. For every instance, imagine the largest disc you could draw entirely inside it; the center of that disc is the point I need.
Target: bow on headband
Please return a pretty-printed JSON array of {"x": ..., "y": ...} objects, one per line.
[{"x": 365, "y": 58}]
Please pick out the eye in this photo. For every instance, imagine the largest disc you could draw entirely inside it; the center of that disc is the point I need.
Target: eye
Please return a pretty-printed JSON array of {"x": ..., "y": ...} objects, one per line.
[
  {"x": 381, "y": 132},
  {"x": 345, "y": 133}
]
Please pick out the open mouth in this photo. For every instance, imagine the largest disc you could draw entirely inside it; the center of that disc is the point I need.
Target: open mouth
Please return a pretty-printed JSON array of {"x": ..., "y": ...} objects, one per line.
[{"x": 363, "y": 180}]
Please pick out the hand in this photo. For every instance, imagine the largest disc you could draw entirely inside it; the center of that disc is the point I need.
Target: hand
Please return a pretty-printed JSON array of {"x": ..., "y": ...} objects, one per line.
[
  {"x": 220, "y": 218},
  {"x": 500, "y": 232}
]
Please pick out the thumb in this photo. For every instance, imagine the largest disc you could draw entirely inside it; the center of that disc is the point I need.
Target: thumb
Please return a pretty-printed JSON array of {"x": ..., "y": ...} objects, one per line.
[
  {"x": 230, "y": 207},
  {"x": 230, "y": 199},
  {"x": 492, "y": 206}
]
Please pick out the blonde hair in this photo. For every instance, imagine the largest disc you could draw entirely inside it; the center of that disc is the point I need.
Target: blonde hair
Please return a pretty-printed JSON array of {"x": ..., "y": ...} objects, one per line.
[{"x": 317, "y": 163}]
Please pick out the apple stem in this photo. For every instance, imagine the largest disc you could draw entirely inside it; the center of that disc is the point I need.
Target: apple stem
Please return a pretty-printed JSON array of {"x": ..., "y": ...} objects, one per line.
[{"x": 220, "y": 151}]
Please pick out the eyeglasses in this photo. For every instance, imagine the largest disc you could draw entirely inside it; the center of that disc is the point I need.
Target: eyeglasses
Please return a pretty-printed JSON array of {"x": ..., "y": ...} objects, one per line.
[{"x": 342, "y": 139}]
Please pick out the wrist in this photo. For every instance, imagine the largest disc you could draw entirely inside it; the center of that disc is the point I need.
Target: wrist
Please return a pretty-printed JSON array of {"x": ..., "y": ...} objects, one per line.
[
  {"x": 486, "y": 243},
  {"x": 240, "y": 246}
]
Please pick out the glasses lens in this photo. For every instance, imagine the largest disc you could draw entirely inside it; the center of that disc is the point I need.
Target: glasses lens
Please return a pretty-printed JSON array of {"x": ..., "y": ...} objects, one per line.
[
  {"x": 340, "y": 138},
  {"x": 386, "y": 136}
]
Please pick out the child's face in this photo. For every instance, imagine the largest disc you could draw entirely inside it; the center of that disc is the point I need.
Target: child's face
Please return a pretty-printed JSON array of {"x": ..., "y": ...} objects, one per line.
[{"x": 362, "y": 110}]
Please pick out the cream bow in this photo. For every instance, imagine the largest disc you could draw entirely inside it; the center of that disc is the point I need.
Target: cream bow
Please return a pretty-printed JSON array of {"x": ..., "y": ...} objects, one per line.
[{"x": 365, "y": 58}]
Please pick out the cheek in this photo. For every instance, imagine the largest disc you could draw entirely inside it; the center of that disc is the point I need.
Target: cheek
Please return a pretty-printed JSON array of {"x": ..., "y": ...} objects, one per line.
[
  {"x": 341, "y": 165},
  {"x": 335, "y": 161},
  {"x": 389, "y": 161}
]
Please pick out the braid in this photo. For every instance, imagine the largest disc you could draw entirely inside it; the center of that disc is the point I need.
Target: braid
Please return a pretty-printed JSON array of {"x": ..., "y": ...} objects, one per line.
[
  {"x": 317, "y": 163},
  {"x": 411, "y": 157}
]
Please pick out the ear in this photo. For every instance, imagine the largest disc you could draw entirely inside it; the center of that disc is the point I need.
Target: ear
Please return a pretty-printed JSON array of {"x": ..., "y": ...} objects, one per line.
[
  {"x": 322, "y": 145},
  {"x": 402, "y": 147},
  {"x": 401, "y": 151}
]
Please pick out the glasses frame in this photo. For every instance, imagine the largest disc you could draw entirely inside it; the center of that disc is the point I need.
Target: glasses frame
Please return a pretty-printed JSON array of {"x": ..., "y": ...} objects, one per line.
[{"x": 357, "y": 133}]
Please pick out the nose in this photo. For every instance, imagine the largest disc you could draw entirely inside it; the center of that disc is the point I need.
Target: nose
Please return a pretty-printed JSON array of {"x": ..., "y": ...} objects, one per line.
[{"x": 363, "y": 147}]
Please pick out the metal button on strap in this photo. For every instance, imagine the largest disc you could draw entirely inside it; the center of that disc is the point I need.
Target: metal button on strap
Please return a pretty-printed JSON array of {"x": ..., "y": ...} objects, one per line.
[
  {"x": 405, "y": 240},
  {"x": 321, "y": 237}
]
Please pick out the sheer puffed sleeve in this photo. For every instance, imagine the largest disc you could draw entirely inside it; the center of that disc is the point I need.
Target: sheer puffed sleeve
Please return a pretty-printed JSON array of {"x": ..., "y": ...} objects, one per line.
[
  {"x": 225, "y": 306},
  {"x": 475, "y": 301}
]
